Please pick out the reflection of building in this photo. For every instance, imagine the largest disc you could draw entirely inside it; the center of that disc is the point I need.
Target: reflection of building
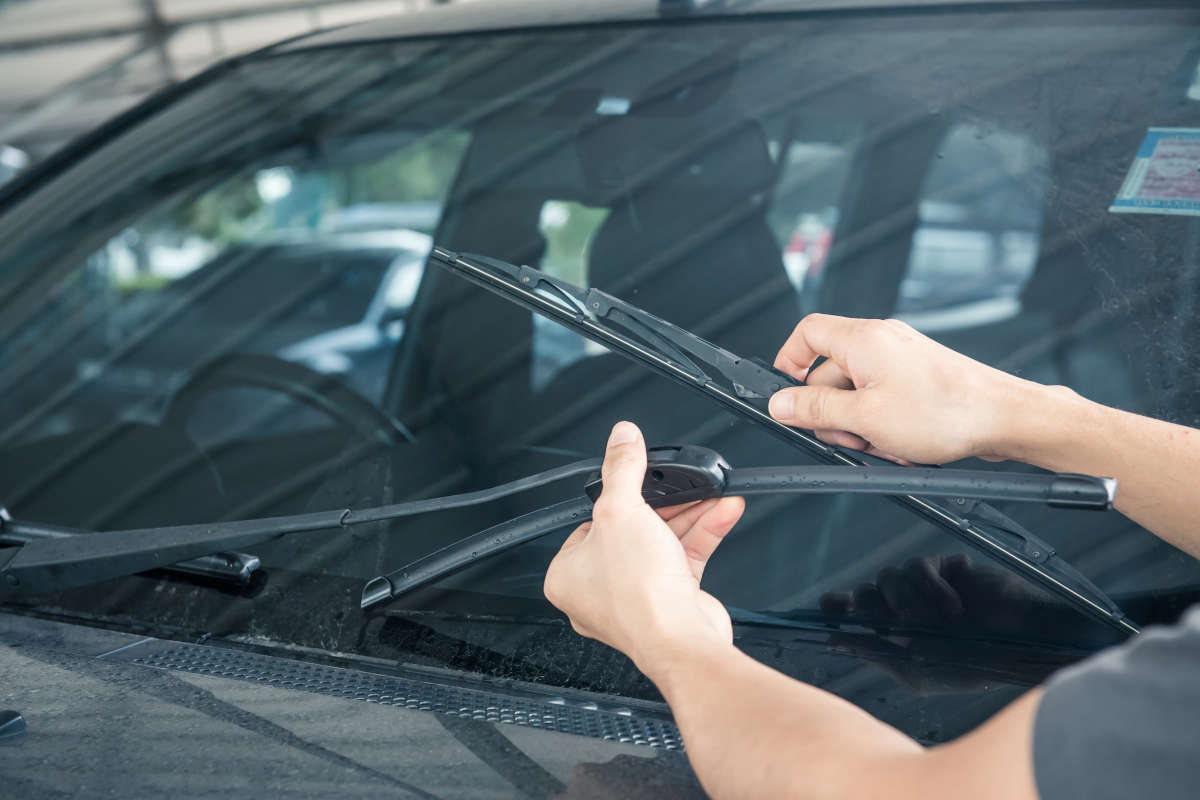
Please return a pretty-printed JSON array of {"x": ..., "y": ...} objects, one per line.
[{"x": 68, "y": 65}]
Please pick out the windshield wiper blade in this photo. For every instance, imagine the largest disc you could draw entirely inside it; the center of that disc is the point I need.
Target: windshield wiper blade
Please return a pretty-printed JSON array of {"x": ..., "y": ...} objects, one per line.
[
  {"x": 743, "y": 385},
  {"x": 626, "y": 328}
]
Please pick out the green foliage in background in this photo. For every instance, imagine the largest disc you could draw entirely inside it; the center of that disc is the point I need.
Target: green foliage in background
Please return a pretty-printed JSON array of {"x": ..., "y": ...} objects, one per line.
[
  {"x": 420, "y": 172},
  {"x": 569, "y": 228}
]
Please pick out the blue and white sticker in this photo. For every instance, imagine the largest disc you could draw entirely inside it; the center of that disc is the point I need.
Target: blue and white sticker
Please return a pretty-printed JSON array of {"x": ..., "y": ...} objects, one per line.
[{"x": 1165, "y": 176}]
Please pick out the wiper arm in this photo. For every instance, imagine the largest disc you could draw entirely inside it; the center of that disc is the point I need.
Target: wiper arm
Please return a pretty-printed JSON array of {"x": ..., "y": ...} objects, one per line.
[
  {"x": 674, "y": 475},
  {"x": 238, "y": 569},
  {"x": 743, "y": 386},
  {"x": 46, "y": 558}
]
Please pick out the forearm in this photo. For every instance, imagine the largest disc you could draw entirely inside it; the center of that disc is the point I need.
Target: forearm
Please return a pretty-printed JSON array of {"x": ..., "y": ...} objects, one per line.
[
  {"x": 1156, "y": 463},
  {"x": 753, "y": 732}
]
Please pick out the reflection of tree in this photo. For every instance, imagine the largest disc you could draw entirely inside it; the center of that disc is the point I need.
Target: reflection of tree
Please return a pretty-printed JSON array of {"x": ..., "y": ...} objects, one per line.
[
  {"x": 231, "y": 212},
  {"x": 421, "y": 172},
  {"x": 568, "y": 228}
]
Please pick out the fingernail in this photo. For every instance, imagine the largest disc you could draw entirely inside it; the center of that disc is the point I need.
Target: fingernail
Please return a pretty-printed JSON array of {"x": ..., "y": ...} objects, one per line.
[
  {"x": 782, "y": 405},
  {"x": 623, "y": 433}
]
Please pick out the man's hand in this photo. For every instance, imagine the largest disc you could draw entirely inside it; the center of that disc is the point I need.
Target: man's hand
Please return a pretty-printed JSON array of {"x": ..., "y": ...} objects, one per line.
[
  {"x": 631, "y": 577},
  {"x": 943, "y": 592},
  {"x": 890, "y": 391}
]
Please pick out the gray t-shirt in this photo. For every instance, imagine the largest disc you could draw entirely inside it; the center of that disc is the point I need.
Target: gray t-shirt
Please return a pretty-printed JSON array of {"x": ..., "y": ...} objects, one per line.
[{"x": 1125, "y": 724}]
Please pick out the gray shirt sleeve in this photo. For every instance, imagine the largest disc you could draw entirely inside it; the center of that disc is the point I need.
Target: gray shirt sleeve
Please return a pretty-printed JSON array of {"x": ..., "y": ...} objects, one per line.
[{"x": 1125, "y": 724}]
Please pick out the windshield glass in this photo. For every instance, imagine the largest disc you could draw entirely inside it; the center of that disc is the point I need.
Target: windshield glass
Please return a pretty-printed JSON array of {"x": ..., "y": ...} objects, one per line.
[{"x": 171, "y": 301}]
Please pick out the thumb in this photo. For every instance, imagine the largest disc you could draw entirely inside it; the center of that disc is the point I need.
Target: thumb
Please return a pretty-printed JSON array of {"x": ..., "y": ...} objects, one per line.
[
  {"x": 817, "y": 407},
  {"x": 624, "y": 464}
]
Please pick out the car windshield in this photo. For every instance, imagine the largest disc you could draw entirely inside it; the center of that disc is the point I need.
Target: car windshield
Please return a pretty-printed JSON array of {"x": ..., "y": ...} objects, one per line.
[{"x": 222, "y": 309}]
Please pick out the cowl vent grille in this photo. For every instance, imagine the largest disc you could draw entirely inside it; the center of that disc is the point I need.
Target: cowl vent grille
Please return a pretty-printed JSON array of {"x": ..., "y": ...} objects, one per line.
[{"x": 553, "y": 713}]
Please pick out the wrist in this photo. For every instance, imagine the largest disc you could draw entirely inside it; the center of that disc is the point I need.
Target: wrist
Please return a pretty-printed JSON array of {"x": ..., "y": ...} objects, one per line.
[
  {"x": 1037, "y": 423},
  {"x": 672, "y": 663}
]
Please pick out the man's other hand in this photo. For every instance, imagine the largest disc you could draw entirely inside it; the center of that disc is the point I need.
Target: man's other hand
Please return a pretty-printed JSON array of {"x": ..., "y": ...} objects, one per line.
[
  {"x": 631, "y": 576},
  {"x": 890, "y": 391}
]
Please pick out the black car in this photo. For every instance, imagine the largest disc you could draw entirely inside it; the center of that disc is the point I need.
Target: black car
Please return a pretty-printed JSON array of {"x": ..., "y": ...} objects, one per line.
[{"x": 980, "y": 161}]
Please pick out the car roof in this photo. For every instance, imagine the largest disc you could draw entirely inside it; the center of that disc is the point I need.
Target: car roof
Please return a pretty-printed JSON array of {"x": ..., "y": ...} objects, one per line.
[{"x": 517, "y": 14}]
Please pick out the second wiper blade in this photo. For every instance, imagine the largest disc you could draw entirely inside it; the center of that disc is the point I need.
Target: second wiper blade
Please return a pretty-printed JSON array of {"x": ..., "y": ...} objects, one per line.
[
  {"x": 684, "y": 474},
  {"x": 675, "y": 475}
]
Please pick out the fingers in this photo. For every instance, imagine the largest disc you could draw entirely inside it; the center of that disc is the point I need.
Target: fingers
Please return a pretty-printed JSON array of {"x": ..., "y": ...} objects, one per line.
[
  {"x": 685, "y": 517},
  {"x": 829, "y": 374},
  {"x": 868, "y": 602},
  {"x": 577, "y": 536},
  {"x": 671, "y": 512},
  {"x": 875, "y": 451},
  {"x": 814, "y": 336},
  {"x": 917, "y": 592},
  {"x": 939, "y": 595},
  {"x": 817, "y": 408},
  {"x": 624, "y": 467},
  {"x": 836, "y": 604},
  {"x": 843, "y": 439},
  {"x": 708, "y": 530}
]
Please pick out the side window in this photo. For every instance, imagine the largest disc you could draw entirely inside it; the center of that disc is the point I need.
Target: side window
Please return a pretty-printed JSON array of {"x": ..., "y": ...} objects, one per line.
[{"x": 313, "y": 261}]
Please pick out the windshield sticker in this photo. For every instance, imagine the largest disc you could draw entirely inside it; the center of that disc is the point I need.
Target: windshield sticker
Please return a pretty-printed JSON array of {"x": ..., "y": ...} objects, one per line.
[{"x": 1165, "y": 176}]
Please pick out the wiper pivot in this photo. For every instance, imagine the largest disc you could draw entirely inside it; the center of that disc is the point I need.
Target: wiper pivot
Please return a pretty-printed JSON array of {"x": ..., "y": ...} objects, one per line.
[{"x": 238, "y": 569}]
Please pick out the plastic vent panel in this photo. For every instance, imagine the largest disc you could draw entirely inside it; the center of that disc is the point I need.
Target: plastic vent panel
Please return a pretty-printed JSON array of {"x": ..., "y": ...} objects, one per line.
[{"x": 553, "y": 713}]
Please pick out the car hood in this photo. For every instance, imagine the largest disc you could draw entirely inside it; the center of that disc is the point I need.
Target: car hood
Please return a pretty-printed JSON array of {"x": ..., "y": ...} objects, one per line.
[{"x": 112, "y": 713}]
